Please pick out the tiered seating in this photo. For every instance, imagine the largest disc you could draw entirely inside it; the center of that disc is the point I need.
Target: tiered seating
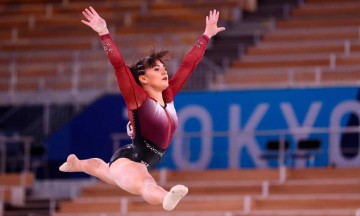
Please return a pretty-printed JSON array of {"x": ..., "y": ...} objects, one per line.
[
  {"x": 317, "y": 45},
  {"x": 13, "y": 187},
  {"x": 200, "y": 183},
  {"x": 204, "y": 188},
  {"x": 315, "y": 190},
  {"x": 46, "y": 35},
  {"x": 234, "y": 192}
]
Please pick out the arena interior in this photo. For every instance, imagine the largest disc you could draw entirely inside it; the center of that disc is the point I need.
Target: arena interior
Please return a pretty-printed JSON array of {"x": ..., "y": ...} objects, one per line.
[{"x": 268, "y": 121}]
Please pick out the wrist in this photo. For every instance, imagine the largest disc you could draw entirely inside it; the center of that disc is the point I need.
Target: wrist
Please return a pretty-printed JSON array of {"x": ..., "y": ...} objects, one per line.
[
  {"x": 104, "y": 32},
  {"x": 208, "y": 34}
]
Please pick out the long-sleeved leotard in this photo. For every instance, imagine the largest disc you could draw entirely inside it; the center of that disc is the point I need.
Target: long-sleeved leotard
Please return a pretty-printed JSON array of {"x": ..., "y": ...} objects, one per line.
[{"x": 154, "y": 125}]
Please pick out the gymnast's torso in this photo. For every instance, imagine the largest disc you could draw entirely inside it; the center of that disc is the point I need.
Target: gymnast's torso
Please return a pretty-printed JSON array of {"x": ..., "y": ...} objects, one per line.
[
  {"x": 153, "y": 124},
  {"x": 153, "y": 127}
]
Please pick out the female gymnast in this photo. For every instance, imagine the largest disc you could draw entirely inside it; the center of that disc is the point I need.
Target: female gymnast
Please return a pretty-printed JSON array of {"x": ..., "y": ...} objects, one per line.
[{"x": 148, "y": 95}]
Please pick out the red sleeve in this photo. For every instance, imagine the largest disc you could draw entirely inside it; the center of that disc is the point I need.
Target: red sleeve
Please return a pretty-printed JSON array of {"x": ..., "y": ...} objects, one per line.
[
  {"x": 187, "y": 66},
  {"x": 133, "y": 94}
]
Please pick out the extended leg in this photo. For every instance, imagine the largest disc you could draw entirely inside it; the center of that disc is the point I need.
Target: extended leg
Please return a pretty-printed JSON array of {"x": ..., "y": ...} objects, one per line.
[
  {"x": 138, "y": 181},
  {"x": 93, "y": 166}
]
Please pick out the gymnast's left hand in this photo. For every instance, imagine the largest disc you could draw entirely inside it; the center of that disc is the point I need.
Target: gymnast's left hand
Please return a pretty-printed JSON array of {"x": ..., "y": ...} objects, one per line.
[
  {"x": 211, "y": 24},
  {"x": 94, "y": 21}
]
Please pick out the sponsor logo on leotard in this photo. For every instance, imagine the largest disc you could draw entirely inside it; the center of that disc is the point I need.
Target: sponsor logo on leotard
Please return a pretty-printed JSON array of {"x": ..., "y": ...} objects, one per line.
[
  {"x": 153, "y": 149},
  {"x": 146, "y": 164}
]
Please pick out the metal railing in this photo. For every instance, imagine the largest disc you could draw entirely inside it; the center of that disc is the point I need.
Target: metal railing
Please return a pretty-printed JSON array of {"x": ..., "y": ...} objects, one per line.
[
  {"x": 324, "y": 154},
  {"x": 25, "y": 141}
]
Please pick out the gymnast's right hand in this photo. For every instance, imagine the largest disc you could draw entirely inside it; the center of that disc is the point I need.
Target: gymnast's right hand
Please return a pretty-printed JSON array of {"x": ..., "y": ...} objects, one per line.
[{"x": 97, "y": 23}]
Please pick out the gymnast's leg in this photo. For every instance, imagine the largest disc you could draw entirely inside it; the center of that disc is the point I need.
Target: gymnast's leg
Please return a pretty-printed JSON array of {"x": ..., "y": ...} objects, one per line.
[
  {"x": 137, "y": 180},
  {"x": 130, "y": 176},
  {"x": 93, "y": 166}
]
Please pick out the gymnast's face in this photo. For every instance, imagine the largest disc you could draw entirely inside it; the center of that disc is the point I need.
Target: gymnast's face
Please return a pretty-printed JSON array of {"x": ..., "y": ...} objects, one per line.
[{"x": 156, "y": 77}]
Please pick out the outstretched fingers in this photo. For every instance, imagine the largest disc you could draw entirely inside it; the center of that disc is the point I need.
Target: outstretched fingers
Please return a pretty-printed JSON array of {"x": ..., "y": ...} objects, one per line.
[
  {"x": 86, "y": 22},
  {"x": 86, "y": 15},
  {"x": 213, "y": 16},
  {"x": 220, "y": 29},
  {"x": 89, "y": 13},
  {"x": 212, "y": 23},
  {"x": 93, "y": 11}
]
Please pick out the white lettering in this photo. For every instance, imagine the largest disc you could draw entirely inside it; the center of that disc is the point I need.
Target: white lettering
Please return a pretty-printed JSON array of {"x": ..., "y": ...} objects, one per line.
[
  {"x": 182, "y": 150},
  {"x": 336, "y": 155},
  {"x": 297, "y": 130},
  {"x": 239, "y": 139}
]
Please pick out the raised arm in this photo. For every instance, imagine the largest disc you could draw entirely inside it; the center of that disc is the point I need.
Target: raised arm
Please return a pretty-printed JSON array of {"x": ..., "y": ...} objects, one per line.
[
  {"x": 193, "y": 58},
  {"x": 133, "y": 94}
]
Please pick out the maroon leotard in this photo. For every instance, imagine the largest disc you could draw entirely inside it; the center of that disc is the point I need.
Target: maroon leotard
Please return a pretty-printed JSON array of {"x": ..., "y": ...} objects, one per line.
[{"x": 154, "y": 125}]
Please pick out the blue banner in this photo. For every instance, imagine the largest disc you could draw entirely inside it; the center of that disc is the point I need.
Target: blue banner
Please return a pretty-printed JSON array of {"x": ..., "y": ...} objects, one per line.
[
  {"x": 241, "y": 116},
  {"x": 230, "y": 129}
]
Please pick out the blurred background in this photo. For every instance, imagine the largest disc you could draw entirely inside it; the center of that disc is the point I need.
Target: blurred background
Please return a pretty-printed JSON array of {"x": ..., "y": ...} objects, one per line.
[{"x": 268, "y": 122}]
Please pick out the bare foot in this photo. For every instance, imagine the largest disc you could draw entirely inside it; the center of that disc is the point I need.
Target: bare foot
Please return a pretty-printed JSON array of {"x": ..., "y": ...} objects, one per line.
[
  {"x": 70, "y": 164},
  {"x": 172, "y": 198}
]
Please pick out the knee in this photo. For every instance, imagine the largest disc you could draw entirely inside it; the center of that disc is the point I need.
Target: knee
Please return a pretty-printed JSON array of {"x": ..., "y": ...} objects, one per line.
[
  {"x": 149, "y": 180},
  {"x": 148, "y": 183}
]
